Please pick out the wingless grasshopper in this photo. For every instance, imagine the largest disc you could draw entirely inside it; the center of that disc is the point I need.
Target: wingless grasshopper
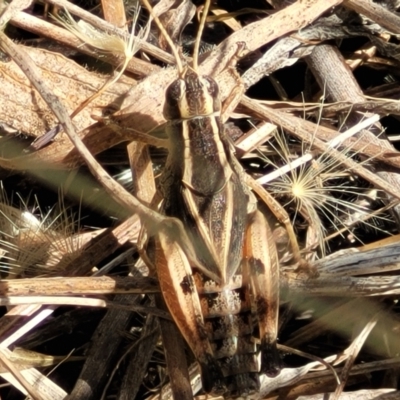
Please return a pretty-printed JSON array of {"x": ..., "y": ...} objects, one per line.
[{"x": 224, "y": 298}]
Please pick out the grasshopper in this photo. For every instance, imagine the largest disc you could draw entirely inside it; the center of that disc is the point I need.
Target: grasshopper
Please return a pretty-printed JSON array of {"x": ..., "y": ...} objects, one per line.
[{"x": 223, "y": 295}]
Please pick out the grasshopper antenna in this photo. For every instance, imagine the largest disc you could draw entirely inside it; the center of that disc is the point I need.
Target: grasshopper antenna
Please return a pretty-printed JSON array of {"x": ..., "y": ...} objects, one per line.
[
  {"x": 166, "y": 36},
  {"x": 199, "y": 33}
]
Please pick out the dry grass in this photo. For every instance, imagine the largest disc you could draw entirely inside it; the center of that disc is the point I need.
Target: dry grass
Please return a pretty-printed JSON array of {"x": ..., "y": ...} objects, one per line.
[{"x": 70, "y": 123}]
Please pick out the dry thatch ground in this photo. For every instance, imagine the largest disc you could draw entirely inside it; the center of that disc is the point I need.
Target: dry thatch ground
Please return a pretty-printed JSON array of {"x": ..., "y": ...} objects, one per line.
[{"x": 78, "y": 105}]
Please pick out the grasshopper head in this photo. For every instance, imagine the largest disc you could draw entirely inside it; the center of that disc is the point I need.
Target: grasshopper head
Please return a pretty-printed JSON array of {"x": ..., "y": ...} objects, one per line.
[{"x": 191, "y": 96}]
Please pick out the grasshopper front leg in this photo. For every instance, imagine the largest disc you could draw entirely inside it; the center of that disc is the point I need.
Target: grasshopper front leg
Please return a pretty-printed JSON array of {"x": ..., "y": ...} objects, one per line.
[{"x": 262, "y": 275}]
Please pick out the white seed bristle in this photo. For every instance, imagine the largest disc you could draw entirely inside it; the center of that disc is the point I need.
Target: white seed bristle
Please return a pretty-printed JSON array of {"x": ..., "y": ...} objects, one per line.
[
  {"x": 103, "y": 41},
  {"x": 33, "y": 242},
  {"x": 310, "y": 189}
]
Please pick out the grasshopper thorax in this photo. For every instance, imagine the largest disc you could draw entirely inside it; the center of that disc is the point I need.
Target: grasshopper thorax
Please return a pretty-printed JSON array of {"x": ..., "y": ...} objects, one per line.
[{"x": 191, "y": 96}]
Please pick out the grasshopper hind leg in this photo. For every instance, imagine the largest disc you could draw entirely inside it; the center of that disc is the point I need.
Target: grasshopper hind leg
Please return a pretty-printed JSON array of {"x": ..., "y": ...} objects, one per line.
[{"x": 262, "y": 275}]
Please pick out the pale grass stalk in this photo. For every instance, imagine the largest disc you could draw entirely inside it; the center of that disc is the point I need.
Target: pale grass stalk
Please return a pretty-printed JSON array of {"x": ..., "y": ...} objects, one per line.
[
  {"x": 48, "y": 389},
  {"x": 309, "y": 356},
  {"x": 12, "y": 9},
  {"x": 27, "y": 327},
  {"x": 257, "y": 137},
  {"x": 352, "y": 353},
  {"x": 79, "y": 301},
  {"x": 19, "y": 376},
  {"x": 77, "y": 286},
  {"x": 45, "y": 389},
  {"x": 53, "y": 300}
]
